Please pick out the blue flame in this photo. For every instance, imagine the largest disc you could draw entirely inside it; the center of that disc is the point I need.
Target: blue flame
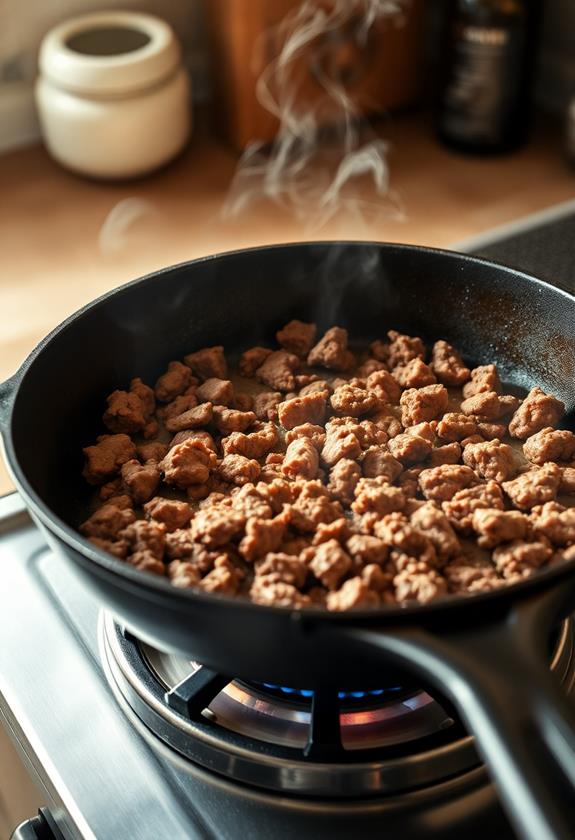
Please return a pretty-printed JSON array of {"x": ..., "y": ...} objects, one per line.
[{"x": 342, "y": 695}]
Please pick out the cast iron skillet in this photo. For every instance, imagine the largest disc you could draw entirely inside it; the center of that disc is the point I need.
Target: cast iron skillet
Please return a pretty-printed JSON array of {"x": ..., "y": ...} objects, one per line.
[{"x": 489, "y": 654}]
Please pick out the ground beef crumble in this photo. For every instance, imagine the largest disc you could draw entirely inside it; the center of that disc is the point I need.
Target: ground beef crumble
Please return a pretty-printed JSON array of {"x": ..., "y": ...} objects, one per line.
[{"x": 324, "y": 477}]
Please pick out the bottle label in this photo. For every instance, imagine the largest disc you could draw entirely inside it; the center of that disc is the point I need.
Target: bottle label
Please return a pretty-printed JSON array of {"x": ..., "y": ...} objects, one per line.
[{"x": 483, "y": 86}]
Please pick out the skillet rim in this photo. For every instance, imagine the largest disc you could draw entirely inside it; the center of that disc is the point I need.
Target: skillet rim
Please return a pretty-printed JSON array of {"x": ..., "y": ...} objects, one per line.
[{"x": 153, "y": 587}]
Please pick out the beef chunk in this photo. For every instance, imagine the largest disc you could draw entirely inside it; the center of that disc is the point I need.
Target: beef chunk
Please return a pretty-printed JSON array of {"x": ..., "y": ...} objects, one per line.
[
  {"x": 125, "y": 413},
  {"x": 409, "y": 448},
  {"x": 354, "y": 594},
  {"x": 297, "y": 337},
  {"x": 141, "y": 482},
  {"x": 243, "y": 401},
  {"x": 217, "y": 525},
  {"x": 278, "y": 370},
  {"x": 104, "y": 459},
  {"x": 421, "y": 404},
  {"x": 193, "y": 434},
  {"x": 407, "y": 542},
  {"x": 508, "y": 403},
  {"x": 567, "y": 485},
  {"x": 403, "y": 348},
  {"x": 252, "y": 501},
  {"x": 550, "y": 445},
  {"x": 490, "y": 431},
  {"x": 173, "y": 383},
  {"x": 340, "y": 443},
  {"x": 312, "y": 507},
  {"x": 375, "y": 495},
  {"x": 300, "y": 410},
  {"x": 537, "y": 411},
  {"x": 146, "y": 395},
  {"x": 448, "y": 454},
  {"x": 485, "y": 405},
  {"x": 229, "y": 420},
  {"x": 454, "y": 426},
  {"x": 494, "y": 527},
  {"x": 534, "y": 487},
  {"x": 188, "y": 463},
  {"x": 383, "y": 385},
  {"x": 330, "y": 563},
  {"x": 492, "y": 459},
  {"x": 366, "y": 550},
  {"x": 183, "y": 575},
  {"x": 209, "y": 363},
  {"x": 223, "y": 579},
  {"x": 367, "y": 433},
  {"x": 558, "y": 526},
  {"x": 331, "y": 351},
  {"x": 387, "y": 420},
  {"x": 338, "y": 530},
  {"x": 237, "y": 469},
  {"x": 468, "y": 575},
  {"x": 107, "y": 522},
  {"x": 368, "y": 367},
  {"x": 273, "y": 593},
  {"x": 252, "y": 359},
  {"x": 216, "y": 391},
  {"x": 145, "y": 538},
  {"x": 432, "y": 522},
  {"x": 177, "y": 406},
  {"x": 423, "y": 587},
  {"x": 117, "y": 548},
  {"x": 352, "y": 401},
  {"x": 442, "y": 483},
  {"x": 343, "y": 480},
  {"x": 379, "y": 350},
  {"x": 266, "y": 405},
  {"x": 171, "y": 513},
  {"x": 518, "y": 559},
  {"x": 255, "y": 445},
  {"x": 414, "y": 374},
  {"x": 448, "y": 365},
  {"x": 378, "y": 461},
  {"x": 483, "y": 378},
  {"x": 307, "y": 430},
  {"x": 191, "y": 419},
  {"x": 461, "y": 507},
  {"x": 316, "y": 385},
  {"x": 263, "y": 536},
  {"x": 283, "y": 567},
  {"x": 301, "y": 460}
]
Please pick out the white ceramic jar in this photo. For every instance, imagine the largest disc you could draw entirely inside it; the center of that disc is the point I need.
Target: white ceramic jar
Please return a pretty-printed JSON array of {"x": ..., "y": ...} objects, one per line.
[{"x": 112, "y": 95}]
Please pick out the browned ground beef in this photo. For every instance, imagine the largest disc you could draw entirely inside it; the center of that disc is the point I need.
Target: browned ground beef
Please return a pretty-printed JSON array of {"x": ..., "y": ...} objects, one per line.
[{"x": 325, "y": 478}]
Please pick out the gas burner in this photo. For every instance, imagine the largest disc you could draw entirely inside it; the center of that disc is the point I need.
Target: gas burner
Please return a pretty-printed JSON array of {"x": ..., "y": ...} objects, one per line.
[{"x": 325, "y": 743}]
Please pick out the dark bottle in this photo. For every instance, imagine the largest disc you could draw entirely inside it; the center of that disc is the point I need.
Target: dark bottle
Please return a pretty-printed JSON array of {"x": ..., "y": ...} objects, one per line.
[{"x": 485, "y": 96}]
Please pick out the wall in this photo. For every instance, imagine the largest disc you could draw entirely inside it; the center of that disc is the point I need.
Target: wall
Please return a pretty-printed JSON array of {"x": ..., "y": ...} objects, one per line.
[
  {"x": 23, "y": 23},
  {"x": 22, "y": 26}
]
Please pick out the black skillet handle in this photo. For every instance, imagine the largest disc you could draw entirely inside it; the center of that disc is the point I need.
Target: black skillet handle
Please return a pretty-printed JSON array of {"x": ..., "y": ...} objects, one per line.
[{"x": 497, "y": 675}]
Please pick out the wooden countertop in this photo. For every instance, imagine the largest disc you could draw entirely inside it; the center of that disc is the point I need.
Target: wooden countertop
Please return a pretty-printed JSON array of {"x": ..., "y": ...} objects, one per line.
[{"x": 51, "y": 220}]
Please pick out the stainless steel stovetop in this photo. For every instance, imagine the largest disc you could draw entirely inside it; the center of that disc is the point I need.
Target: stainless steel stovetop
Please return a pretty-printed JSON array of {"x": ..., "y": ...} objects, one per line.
[{"x": 111, "y": 732}]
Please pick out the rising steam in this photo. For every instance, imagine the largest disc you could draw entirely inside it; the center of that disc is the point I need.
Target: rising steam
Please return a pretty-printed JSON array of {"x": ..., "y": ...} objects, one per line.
[{"x": 312, "y": 172}]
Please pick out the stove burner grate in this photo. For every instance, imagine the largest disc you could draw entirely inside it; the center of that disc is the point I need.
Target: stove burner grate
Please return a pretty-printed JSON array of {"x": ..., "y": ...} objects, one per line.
[{"x": 327, "y": 743}]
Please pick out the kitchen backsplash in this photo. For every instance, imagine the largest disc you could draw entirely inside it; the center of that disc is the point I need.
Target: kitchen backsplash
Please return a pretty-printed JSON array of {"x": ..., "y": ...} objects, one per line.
[{"x": 22, "y": 25}]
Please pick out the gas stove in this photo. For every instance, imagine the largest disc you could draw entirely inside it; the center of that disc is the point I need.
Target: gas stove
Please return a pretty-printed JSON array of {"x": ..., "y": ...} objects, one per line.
[{"x": 127, "y": 741}]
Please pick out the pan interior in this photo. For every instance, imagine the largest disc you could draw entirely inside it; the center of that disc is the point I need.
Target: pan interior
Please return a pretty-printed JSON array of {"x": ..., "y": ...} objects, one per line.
[{"x": 490, "y": 313}]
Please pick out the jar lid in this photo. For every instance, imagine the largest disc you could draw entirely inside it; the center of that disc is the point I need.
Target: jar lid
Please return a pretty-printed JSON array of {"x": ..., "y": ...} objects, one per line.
[{"x": 109, "y": 53}]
